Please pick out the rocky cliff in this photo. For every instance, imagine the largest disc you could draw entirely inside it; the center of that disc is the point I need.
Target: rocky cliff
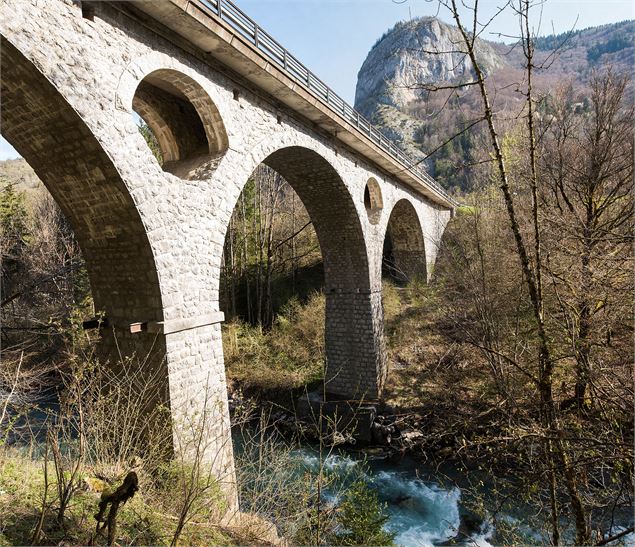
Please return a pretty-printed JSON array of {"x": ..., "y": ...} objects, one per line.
[
  {"x": 411, "y": 53},
  {"x": 424, "y": 51}
]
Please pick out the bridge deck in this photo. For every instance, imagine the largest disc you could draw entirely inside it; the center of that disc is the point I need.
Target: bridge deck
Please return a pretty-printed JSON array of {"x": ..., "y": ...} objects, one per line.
[{"x": 222, "y": 30}]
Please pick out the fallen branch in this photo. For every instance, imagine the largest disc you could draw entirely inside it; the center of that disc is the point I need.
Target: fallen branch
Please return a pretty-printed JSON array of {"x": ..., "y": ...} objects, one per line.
[
  {"x": 120, "y": 496},
  {"x": 616, "y": 536}
]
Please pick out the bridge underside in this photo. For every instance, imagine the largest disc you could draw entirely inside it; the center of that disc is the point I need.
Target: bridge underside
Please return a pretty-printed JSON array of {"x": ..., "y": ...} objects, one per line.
[
  {"x": 404, "y": 247},
  {"x": 82, "y": 179}
]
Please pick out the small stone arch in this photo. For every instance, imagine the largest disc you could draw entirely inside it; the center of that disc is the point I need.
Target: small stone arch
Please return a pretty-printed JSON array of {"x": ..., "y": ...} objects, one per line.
[
  {"x": 184, "y": 119},
  {"x": 404, "y": 256},
  {"x": 373, "y": 200},
  {"x": 354, "y": 341}
]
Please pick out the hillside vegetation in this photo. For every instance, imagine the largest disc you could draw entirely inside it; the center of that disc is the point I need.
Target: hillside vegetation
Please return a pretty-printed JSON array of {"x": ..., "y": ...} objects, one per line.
[{"x": 396, "y": 82}]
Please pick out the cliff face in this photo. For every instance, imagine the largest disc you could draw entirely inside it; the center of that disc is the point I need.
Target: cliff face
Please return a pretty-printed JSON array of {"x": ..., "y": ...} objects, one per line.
[
  {"x": 423, "y": 51},
  {"x": 388, "y": 83},
  {"x": 405, "y": 57}
]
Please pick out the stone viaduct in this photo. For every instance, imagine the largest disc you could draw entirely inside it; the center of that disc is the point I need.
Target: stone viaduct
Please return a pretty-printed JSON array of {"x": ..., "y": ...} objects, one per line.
[{"x": 221, "y": 97}]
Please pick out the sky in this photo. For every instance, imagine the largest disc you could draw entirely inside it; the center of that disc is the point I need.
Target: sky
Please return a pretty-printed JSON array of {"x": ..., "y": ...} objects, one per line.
[{"x": 333, "y": 37}]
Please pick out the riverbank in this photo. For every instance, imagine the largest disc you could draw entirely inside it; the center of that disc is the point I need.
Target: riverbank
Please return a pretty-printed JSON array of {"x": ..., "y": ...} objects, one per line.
[
  {"x": 29, "y": 502},
  {"x": 436, "y": 402},
  {"x": 445, "y": 408}
]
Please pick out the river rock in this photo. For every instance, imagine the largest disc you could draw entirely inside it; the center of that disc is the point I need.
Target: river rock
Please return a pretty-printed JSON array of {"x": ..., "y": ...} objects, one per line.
[
  {"x": 353, "y": 419},
  {"x": 412, "y": 438},
  {"x": 381, "y": 433}
]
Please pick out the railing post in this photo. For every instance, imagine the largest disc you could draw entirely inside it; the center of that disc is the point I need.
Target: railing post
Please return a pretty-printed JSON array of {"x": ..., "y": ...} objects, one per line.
[
  {"x": 284, "y": 61},
  {"x": 219, "y": 6},
  {"x": 256, "y": 35}
]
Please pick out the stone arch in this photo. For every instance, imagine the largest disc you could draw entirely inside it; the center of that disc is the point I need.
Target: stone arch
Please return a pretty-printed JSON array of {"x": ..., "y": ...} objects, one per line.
[
  {"x": 332, "y": 212},
  {"x": 354, "y": 318},
  {"x": 183, "y": 118},
  {"x": 373, "y": 200},
  {"x": 48, "y": 133},
  {"x": 404, "y": 256}
]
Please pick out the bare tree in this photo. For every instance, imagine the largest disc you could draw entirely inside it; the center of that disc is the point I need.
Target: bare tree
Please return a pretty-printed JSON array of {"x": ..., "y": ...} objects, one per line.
[
  {"x": 588, "y": 173},
  {"x": 587, "y": 169},
  {"x": 269, "y": 237}
]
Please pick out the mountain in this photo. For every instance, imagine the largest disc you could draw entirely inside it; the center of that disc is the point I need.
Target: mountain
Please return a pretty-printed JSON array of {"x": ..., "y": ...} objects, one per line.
[
  {"x": 593, "y": 47},
  {"x": 19, "y": 173},
  {"x": 423, "y": 51},
  {"x": 400, "y": 61},
  {"x": 388, "y": 83}
]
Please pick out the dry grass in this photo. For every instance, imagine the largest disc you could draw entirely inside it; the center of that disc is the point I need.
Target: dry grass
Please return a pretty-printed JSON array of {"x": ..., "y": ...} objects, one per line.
[
  {"x": 288, "y": 357},
  {"x": 148, "y": 518},
  {"x": 141, "y": 521},
  {"x": 423, "y": 362}
]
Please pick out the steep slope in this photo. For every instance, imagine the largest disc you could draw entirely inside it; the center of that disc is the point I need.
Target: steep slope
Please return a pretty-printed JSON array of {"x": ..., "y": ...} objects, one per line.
[
  {"x": 423, "y": 51},
  {"x": 411, "y": 53},
  {"x": 401, "y": 60},
  {"x": 584, "y": 50},
  {"x": 19, "y": 172},
  {"x": 24, "y": 180}
]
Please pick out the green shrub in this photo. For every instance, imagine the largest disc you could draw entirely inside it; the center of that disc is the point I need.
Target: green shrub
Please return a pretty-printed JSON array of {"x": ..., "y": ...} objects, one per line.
[
  {"x": 14, "y": 231},
  {"x": 288, "y": 356},
  {"x": 362, "y": 518}
]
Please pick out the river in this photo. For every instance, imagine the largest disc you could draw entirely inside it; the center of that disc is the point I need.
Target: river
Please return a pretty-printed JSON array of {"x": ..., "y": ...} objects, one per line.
[
  {"x": 425, "y": 511},
  {"x": 421, "y": 512},
  {"x": 425, "y": 506}
]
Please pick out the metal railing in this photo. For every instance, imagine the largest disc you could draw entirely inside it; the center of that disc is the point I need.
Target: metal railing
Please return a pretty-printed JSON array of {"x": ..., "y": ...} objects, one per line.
[{"x": 246, "y": 27}]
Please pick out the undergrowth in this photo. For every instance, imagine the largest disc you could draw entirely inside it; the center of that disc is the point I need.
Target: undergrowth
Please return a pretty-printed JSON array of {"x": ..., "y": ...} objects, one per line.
[
  {"x": 147, "y": 519},
  {"x": 288, "y": 356}
]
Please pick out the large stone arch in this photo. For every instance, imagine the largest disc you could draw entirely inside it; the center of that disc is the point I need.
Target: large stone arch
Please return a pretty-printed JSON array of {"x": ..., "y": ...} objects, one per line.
[
  {"x": 404, "y": 255},
  {"x": 354, "y": 340},
  {"x": 82, "y": 179}
]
